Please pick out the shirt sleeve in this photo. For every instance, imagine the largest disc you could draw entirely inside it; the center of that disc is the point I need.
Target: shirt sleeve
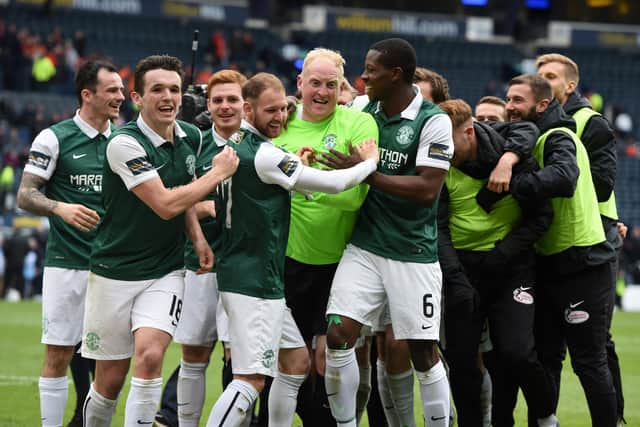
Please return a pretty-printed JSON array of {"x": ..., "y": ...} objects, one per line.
[
  {"x": 275, "y": 166},
  {"x": 436, "y": 143},
  {"x": 130, "y": 161},
  {"x": 43, "y": 155}
]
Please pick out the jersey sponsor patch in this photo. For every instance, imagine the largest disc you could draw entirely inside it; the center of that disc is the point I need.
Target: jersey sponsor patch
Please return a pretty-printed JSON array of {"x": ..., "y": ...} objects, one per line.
[
  {"x": 39, "y": 160},
  {"x": 288, "y": 165},
  {"x": 439, "y": 152},
  {"x": 139, "y": 165}
]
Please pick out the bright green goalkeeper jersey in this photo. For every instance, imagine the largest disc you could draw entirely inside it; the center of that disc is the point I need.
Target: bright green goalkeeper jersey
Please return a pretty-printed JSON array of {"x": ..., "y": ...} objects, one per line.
[{"x": 321, "y": 225}]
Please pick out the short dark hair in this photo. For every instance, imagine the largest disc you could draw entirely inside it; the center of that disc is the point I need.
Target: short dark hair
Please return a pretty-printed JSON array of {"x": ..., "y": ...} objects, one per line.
[
  {"x": 257, "y": 84},
  {"x": 87, "y": 76},
  {"x": 439, "y": 85},
  {"x": 399, "y": 53},
  {"x": 540, "y": 87},
  {"x": 155, "y": 62}
]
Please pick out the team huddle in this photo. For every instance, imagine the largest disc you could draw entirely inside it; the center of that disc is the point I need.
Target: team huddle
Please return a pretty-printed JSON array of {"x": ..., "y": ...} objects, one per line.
[{"x": 477, "y": 247}]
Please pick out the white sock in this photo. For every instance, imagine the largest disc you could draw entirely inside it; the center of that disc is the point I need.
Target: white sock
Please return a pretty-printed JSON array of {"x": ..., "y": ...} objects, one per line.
[
  {"x": 401, "y": 390},
  {"x": 364, "y": 390},
  {"x": 341, "y": 380},
  {"x": 191, "y": 393},
  {"x": 98, "y": 410},
  {"x": 53, "y": 400},
  {"x": 283, "y": 398},
  {"x": 486, "y": 391},
  {"x": 233, "y": 405},
  {"x": 434, "y": 388},
  {"x": 142, "y": 402},
  {"x": 550, "y": 421},
  {"x": 390, "y": 412}
]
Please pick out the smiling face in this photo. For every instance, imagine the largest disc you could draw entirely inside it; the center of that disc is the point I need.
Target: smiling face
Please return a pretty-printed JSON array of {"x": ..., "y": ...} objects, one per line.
[
  {"x": 268, "y": 113},
  {"x": 160, "y": 102},
  {"x": 376, "y": 77},
  {"x": 108, "y": 96},
  {"x": 486, "y": 112},
  {"x": 225, "y": 104},
  {"x": 521, "y": 104},
  {"x": 319, "y": 84}
]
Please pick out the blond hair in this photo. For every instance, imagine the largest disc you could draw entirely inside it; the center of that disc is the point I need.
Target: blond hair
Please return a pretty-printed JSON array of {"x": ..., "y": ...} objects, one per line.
[
  {"x": 571, "y": 70},
  {"x": 328, "y": 54},
  {"x": 458, "y": 110}
]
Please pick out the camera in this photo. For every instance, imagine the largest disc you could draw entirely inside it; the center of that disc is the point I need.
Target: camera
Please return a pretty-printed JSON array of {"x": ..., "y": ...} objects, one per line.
[{"x": 194, "y": 107}]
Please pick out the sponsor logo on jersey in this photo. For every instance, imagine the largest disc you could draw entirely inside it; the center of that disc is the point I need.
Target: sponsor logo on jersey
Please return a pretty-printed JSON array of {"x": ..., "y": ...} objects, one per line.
[
  {"x": 190, "y": 162},
  {"x": 391, "y": 159},
  {"x": 237, "y": 136},
  {"x": 329, "y": 141},
  {"x": 79, "y": 156},
  {"x": 439, "y": 152},
  {"x": 522, "y": 296},
  {"x": 268, "y": 358},
  {"x": 404, "y": 136},
  {"x": 92, "y": 341},
  {"x": 87, "y": 182},
  {"x": 139, "y": 165},
  {"x": 288, "y": 165},
  {"x": 39, "y": 160}
]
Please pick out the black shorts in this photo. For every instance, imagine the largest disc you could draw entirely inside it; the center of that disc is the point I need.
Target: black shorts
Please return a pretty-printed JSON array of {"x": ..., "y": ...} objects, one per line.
[{"x": 306, "y": 289}]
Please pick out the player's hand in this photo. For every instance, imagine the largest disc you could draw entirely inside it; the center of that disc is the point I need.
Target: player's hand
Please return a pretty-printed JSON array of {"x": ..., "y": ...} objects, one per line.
[
  {"x": 292, "y": 103},
  {"x": 78, "y": 216},
  {"x": 338, "y": 160},
  {"x": 307, "y": 155},
  {"x": 368, "y": 150},
  {"x": 205, "y": 256},
  {"x": 622, "y": 229},
  {"x": 226, "y": 162},
  {"x": 499, "y": 179}
]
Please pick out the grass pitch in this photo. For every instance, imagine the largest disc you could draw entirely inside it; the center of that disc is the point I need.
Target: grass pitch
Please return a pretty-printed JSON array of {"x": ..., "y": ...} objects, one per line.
[{"x": 21, "y": 359}]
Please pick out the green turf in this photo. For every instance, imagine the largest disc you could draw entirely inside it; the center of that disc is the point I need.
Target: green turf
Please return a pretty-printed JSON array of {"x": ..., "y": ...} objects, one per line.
[{"x": 21, "y": 359}]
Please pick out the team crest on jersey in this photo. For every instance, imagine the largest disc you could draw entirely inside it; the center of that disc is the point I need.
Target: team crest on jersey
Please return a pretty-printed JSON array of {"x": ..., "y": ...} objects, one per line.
[
  {"x": 405, "y": 134},
  {"x": 237, "y": 136},
  {"x": 288, "y": 165},
  {"x": 190, "y": 162},
  {"x": 329, "y": 141},
  {"x": 268, "y": 358}
]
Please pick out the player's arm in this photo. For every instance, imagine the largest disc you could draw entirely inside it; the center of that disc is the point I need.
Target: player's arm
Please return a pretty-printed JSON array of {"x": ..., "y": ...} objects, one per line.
[
  {"x": 37, "y": 172},
  {"x": 452, "y": 269},
  {"x": 600, "y": 141},
  {"x": 128, "y": 159},
  {"x": 275, "y": 166},
  {"x": 200, "y": 244},
  {"x": 432, "y": 164},
  {"x": 520, "y": 138}
]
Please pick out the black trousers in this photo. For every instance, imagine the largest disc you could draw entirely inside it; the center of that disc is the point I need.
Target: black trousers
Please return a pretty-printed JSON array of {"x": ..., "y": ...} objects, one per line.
[
  {"x": 506, "y": 299},
  {"x": 576, "y": 309}
]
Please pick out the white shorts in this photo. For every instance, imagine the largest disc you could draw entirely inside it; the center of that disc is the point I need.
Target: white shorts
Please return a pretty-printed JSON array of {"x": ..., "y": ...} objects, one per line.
[
  {"x": 222, "y": 323},
  {"x": 116, "y": 308},
  {"x": 364, "y": 282},
  {"x": 63, "y": 295},
  {"x": 197, "y": 324},
  {"x": 258, "y": 328}
]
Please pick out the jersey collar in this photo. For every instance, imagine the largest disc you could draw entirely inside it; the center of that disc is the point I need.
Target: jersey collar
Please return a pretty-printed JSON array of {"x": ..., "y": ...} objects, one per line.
[
  {"x": 412, "y": 110},
  {"x": 87, "y": 129},
  {"x": 245, "y": 124},
  {"x": 217, "y": 138},
  {"x": 156, "y": 139}
]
